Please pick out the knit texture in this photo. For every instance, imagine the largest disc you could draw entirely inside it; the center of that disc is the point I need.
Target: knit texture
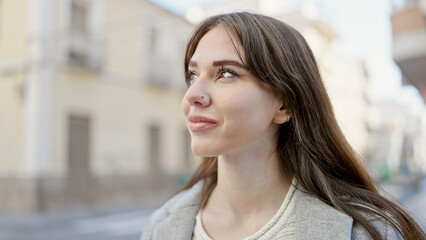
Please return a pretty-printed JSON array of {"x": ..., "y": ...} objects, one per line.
[{"x": 281, "y": 226}]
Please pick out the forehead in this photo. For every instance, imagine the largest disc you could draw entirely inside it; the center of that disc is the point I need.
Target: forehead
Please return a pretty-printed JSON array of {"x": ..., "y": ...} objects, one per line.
[{"x": 218, "y": 43}]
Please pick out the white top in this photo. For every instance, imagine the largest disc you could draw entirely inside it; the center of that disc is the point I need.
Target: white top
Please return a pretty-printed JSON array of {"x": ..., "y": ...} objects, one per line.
[{"x": 281, "y": 226}]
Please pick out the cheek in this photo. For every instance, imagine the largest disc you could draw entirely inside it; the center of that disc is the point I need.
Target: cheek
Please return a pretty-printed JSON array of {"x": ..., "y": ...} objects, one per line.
[
  {"x": 242, "y": 105},
  {"x": 239, "y": 113},
  {"x": 250, "y": 110}
]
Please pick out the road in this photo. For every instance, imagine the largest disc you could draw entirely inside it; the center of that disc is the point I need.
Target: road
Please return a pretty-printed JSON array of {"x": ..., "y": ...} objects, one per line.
[
  {"x": 123, "y": 224},
  {"x": 126, "y": 224}
]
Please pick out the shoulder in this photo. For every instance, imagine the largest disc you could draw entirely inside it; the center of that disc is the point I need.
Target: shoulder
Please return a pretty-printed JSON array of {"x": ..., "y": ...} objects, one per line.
[
  {"x": 176, "y": 213},
  {"x": 318, "y": 220},
  {"x": 186, "y": 198}
]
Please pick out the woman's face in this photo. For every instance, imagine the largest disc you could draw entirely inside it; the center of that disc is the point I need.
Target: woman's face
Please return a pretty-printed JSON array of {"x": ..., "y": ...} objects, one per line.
[{"x": 226, "y": 107}]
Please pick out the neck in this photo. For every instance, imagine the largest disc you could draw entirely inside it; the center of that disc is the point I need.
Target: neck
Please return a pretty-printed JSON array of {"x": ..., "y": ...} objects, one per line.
[{"x": 249, "y": 182}]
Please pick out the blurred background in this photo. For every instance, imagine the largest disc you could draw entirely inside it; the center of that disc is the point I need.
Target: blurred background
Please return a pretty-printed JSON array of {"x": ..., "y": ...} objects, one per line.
[{"x": 92, "y": 138}]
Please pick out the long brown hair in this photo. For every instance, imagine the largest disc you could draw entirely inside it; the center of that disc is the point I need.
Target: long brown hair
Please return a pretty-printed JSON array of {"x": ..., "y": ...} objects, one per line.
[{"x": 311, "y": 146}]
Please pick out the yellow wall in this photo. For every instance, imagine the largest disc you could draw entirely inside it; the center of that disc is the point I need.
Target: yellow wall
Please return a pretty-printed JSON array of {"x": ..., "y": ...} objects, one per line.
[
  {"x": 120, "y": 113},
  {"x": 13, "y": 49},
  {"x": 123, "y": 43},
  {"x": 11, "y": 124},
  {"x": 13, "y": 29},
  {"x": 120, "y": 119}
]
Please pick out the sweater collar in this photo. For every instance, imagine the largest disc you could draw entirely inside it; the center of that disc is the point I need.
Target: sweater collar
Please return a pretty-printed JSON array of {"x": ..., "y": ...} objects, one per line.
[{"x": 314, "y": 218}]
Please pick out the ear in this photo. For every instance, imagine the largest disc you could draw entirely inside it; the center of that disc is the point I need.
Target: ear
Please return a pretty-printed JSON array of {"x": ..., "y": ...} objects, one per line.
[{"x": 283, "y": 114}]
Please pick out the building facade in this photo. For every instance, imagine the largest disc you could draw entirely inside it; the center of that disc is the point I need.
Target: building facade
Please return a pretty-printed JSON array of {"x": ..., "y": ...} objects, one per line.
[
  {"x": 90, "y": 110},
  {"x": 409, "y": 53},
  {"x": 409, "y": 43},
  {"x": 397, "y": 141}
]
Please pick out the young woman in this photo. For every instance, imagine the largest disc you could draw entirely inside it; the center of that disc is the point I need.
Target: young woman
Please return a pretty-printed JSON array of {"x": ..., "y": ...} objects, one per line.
[{"x": 275, "y": 163}]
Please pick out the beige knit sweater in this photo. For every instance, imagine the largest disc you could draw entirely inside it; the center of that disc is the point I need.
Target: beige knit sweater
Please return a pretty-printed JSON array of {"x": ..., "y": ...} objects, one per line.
[{"x": 281, "y": 226}]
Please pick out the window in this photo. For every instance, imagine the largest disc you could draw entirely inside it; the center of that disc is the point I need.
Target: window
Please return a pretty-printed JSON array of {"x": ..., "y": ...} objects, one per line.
[
  {"x": 158, "y": 59},
  {"x": 79, "y": 41},
  {"x": 78, "y": 17},
  {"x": 78, "y": 149},
  {"x": 153, "y": 36},
  {"x": 154, "y": 147}
]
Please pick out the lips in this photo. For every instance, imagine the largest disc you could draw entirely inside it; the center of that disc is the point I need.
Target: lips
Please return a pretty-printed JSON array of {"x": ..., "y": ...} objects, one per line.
[{"x": 201, "y": 123}]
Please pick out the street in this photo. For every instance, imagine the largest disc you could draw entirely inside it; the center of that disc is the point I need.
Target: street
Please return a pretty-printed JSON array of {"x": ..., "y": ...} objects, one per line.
[{"x": 126, "y": 224}]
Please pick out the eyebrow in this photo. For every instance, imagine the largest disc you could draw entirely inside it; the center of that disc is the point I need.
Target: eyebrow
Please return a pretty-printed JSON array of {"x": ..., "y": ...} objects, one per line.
[
  {"x": 192, "y": 64},
  {"x": 220, "y": 63},
  {"x": 228, "y": 62}
]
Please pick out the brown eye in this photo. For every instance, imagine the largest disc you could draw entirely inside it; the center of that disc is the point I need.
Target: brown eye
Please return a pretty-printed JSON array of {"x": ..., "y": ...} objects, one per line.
[
  {"x": 226, "y": 73},
  {"x": 192, "y": 76}
]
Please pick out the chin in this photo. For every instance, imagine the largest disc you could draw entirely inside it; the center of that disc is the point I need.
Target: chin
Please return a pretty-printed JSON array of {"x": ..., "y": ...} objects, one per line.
[{"x": 204, "y": 151}]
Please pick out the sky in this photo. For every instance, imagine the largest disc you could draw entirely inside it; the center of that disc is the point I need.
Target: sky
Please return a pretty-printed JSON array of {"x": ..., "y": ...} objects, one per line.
[
  {"x": 364, "y": 32},
  {"x": 360, "y": 24}
]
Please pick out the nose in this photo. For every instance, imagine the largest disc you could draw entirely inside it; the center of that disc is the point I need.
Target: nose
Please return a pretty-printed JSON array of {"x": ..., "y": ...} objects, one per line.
[{"x": 197, "y": 94}]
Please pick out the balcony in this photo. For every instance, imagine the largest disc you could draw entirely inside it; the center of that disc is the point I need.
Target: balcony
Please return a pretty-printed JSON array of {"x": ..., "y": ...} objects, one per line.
[{"x": 409, "y": 46}]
